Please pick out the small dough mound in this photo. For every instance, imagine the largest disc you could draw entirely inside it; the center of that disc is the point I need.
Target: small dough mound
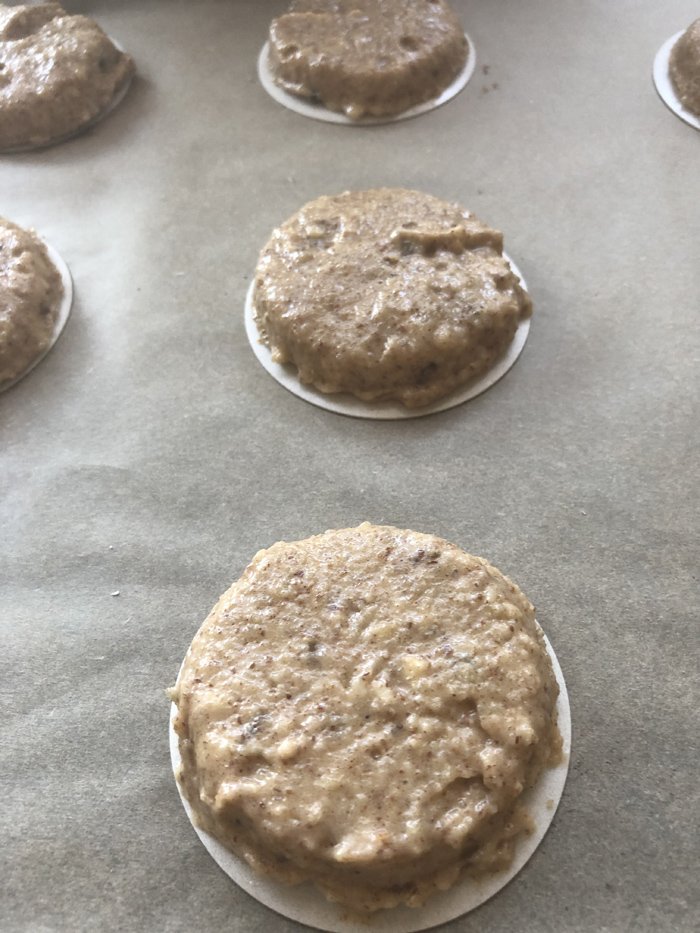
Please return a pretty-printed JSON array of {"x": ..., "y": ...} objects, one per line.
[
  {"x": 364, "y": 709},
  {"x": 367, "y": 57},
  {"x": 30, "y": 296},
  {"x": 684, "y": 68},
  {"x": 387, "y": 294},
  {"x": 57, "y": 73}
]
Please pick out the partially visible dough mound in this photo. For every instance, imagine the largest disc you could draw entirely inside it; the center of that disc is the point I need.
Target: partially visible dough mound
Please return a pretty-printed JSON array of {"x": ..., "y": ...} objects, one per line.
[
  {"x": 57, "y": 73},
  {"x": 367, "y": 57},
  {"x": 684, "y": 68},
  {"x": 30, "y": 295},
  {"x": 387, "y": 294},
  {"x": 365, "y": 709}
]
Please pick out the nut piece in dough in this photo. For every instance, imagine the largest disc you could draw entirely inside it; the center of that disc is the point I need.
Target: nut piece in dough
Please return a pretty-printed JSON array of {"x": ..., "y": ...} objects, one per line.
[
  {"x": 364, "y": 709},
  {"x": 684, "y": 68},
  {"x": 30, "y": 296},
  {"x": 367, "y": 57},
  {"x": 387, "y": 294},
  {"x": 57, "y": 73}
]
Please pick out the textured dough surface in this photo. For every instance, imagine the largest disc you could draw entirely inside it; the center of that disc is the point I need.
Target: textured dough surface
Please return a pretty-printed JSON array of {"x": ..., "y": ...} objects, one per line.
[
  {"x": 367, "y": 57},
  {"x": 684, "y": 68},
  {"x": 387, "y": 294},
  {"x": 30, "y": 296},
  {"x": 364, "y": 709},
  {"x": 58, "y": 73}
]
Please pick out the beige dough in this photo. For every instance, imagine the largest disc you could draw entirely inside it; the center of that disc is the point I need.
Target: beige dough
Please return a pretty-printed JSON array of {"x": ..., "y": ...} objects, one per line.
[
  {"x": 30, "y": 296},
  {"x": 364, "y": 709},
  {"x": 684, "y": 68},
  {"x": 367, "y": 57},
  {"x": 387, "y": 294},
  {"x": 57, "y": 73}
]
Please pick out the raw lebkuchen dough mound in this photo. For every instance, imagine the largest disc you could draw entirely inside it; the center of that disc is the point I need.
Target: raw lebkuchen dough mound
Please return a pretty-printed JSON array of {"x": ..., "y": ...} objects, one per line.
[
  {"x": 387, "y": 294},
  {"x": 684, "y": 68},
  {"x": 367, "y": 57},
  {"x": 58, "y": 72},
  {"x": 364, "y": 709},
  {"x": 30, "y": 296}
]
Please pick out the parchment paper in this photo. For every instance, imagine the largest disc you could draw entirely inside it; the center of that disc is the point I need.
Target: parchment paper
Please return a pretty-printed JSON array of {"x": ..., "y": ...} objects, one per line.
[{"x": 150, "y": 455}]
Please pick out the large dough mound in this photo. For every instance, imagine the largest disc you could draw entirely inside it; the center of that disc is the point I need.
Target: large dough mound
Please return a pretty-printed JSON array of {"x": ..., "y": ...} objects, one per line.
[
  {"x": 364, "y": 709},
  {"x": 367, "y": 57},
  {"x": 387, "y": 294},
  {"x": 684, "y": 68},
  {"x": 58, "y": 73},
  {"x": 30, "y": 295}
]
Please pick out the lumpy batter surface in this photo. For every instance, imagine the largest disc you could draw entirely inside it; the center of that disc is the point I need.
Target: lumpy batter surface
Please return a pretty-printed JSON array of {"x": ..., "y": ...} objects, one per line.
[
  {"x": 364, "y": 709},
  {"x": 57, "y": 73},
  {"x": 387, "y": 294},
  {"x": 684, "y": 68},
  {"x": 30, "y": 295},
  {"x": 367, "y": 57}
]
